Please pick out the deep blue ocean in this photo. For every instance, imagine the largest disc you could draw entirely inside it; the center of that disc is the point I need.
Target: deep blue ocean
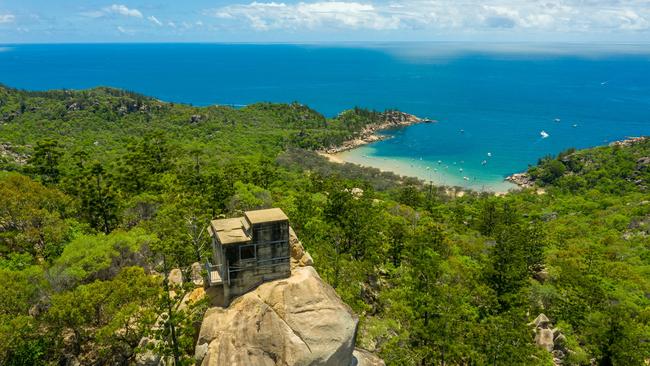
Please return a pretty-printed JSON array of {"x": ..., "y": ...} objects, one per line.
[{"x": 502, "y": 98}]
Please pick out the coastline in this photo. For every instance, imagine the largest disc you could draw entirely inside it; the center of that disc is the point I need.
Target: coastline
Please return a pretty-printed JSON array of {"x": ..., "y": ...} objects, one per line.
[
  {"x": 370, "y": 134},
  {"x": 392, "y": 120},
  {"x": 523, "y": 180},
  {"x": 363, "y": 157},
  {"x": 340, "y": 154}
]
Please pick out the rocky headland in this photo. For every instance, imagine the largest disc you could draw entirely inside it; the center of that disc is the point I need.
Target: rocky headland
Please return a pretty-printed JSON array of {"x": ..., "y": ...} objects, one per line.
[
  {"x": 389, "y": 120},
  {"x": 524, "y": 180}
]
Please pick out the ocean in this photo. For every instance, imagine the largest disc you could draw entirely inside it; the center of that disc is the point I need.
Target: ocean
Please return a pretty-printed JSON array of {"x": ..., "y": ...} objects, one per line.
[{"x": 492, "y": 101}]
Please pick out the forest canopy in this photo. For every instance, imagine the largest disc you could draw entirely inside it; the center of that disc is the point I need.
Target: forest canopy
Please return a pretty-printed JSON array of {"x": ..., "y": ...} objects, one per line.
[{"x": 103, "y": 194}]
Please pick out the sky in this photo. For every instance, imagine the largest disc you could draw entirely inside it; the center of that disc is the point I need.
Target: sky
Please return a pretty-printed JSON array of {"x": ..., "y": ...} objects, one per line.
[{"x": 81, "y": 21}]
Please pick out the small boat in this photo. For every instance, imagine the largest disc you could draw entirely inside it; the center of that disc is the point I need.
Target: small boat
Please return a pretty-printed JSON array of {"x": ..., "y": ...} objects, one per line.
[
  {"x": 460, "y": 169},
  {"x": 489, "y": 154},
  {"x": 574, "y": 125},
  {"x": 557, "y": 120},
  {"x": 544, "y": 134},
  {"x": 484, "y": 162},
  {"x": 429, "y": 120},
  {"x": 462, "y": 131},
  {"x": 466, "y": 178},
  {"x": 439, "y": 161}
]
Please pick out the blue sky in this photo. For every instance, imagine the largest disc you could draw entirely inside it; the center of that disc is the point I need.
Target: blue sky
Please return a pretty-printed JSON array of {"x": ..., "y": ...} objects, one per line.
[{"x": 27, "y": 21}]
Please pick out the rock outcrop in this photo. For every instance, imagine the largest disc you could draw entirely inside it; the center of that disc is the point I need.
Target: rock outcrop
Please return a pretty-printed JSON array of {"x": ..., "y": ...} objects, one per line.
[
  {"x": 523, "y": 180},
  {"x": 389, "y": 120},
  {"x": 549, "y": 338},
  {"x": 364, "y": 358},
  {"x": 8, "y": 153},
  {"x": 299, "y": 320}
]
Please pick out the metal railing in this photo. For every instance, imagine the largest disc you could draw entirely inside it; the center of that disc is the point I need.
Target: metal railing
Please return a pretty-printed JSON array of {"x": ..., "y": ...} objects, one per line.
[{"x": 211, "y": 268}]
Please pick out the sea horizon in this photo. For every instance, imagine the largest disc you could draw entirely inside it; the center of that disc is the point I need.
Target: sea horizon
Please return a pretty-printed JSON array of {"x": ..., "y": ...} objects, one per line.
[{"x": 516, "y": 101}]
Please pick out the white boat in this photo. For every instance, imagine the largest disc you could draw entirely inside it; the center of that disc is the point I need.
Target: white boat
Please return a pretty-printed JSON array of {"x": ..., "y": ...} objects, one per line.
[
  {"x": 574, "y": 125},
  {"x": 544, "y": 134},
  {"x": 557, "y": 120},
  {"x": 460, "y": 169},
  {"x": 490, "y": 154},
  {"x": 484, "y": 162},
  {"x": 466, "y": 178}
]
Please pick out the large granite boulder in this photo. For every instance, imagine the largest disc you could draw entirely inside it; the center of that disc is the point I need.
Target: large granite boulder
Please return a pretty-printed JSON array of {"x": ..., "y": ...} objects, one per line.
[
  {"x": 299, "y": 320},
  {"x": 544, "y": 339},
  {"x": 364, "y": 358},
  {"x": 299, "y": 256}
]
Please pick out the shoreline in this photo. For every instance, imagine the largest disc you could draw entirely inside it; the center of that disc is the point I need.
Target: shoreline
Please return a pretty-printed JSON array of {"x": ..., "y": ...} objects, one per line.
[
  {"x": 392, "y": 120},
  {"x": 395, "y": 119},
  {"x": 452, "y": 189},
  {"x": 524, "y": 181}
]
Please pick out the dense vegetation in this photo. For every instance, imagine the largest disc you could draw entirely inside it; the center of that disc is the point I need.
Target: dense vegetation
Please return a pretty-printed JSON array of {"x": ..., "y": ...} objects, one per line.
[{"x": 104, "y": 192}]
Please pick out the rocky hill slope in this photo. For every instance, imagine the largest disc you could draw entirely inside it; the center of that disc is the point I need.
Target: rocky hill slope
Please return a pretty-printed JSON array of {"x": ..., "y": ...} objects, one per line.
[{"x": 298, "y": 320}]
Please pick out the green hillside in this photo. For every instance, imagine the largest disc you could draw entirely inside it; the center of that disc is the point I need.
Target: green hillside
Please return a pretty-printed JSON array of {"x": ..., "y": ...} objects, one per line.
[{"x": 103, "y": 191}]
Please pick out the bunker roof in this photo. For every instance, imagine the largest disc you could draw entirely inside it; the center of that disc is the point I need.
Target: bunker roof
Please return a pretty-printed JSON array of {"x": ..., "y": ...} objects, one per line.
[
  {"x": 236, "y": 230},
  {"x": 268, "y": 215},
  {"x": 229, "y": 231}
]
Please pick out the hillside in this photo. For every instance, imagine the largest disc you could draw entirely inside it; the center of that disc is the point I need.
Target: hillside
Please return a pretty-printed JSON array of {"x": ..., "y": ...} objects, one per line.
[{"x": 104, "y": 192}]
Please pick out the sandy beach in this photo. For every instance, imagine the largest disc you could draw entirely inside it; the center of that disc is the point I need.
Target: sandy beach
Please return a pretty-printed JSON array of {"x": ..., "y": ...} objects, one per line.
[{"x": 422, "y": 169}]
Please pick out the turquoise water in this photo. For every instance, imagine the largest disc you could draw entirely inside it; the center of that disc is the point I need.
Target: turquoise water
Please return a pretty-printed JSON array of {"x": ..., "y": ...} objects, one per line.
[{"x": 501, "y": 96}]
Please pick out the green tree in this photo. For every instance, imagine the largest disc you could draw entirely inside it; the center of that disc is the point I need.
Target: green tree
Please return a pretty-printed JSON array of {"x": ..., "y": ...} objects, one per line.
[
  {"x": 33, "y": 217},
  {"x": 517, "y": 253},
  {"x": 45, "y": 160},
  {"x": 358, "y": 222},
  {"x": 99, "y": 202},
  {"x": 144, "y": 160},
  {"x": 107, "y": 317}
]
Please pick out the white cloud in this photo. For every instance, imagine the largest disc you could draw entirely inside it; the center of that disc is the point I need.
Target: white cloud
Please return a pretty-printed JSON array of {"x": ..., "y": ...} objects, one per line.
[
  {"x": 272, "y": 15},
  {"x": 155, "y": 20},
  {"x": 543, "y": 16},
  {"x": 7, "y": 18},
  {"x": 125, "y": 30},
  {"x": 122, "y": 10}
]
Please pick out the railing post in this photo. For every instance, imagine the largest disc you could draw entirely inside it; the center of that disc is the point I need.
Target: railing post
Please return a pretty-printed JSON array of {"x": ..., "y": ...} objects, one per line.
[{"x": 207, "y": 269}]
